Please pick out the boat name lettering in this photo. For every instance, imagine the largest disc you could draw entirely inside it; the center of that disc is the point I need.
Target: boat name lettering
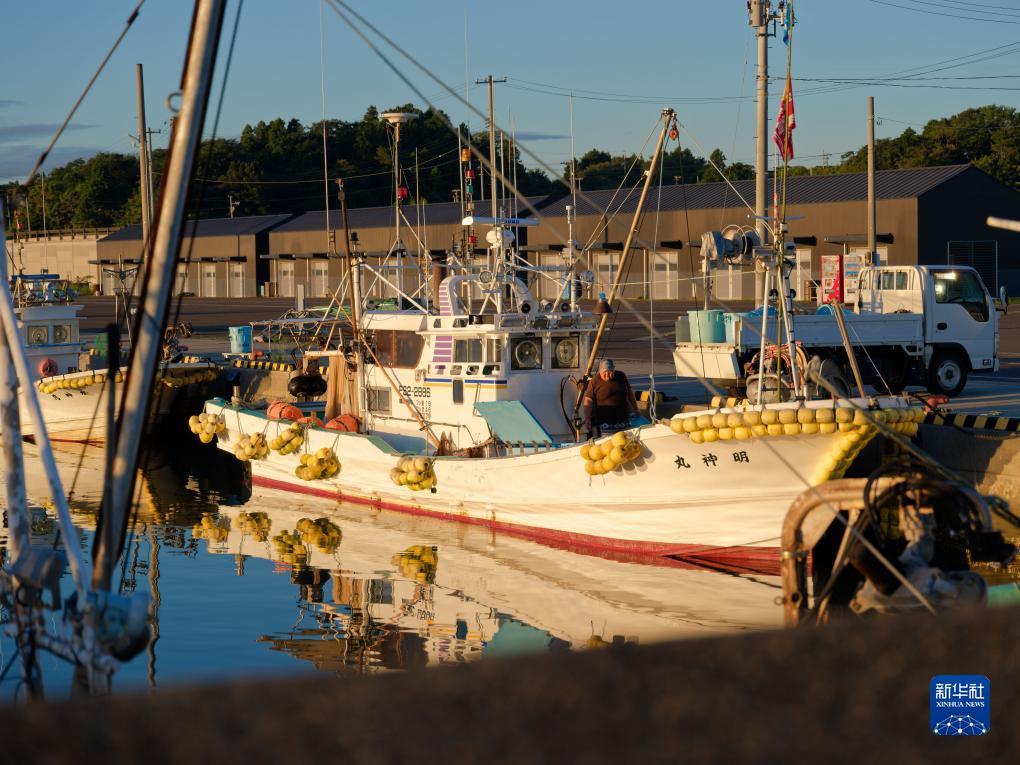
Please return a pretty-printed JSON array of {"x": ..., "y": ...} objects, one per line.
[
  {"x": 415, "y": 391},
  {"x": 710, "y": 460}
]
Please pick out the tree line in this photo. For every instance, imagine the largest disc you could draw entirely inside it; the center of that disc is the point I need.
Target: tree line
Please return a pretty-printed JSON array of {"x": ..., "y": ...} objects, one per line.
[{"x": 277, "y": 167}]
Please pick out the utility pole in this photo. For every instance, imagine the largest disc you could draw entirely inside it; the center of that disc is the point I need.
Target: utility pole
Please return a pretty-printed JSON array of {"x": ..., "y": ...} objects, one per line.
[
  {"x": 148, "y": 161},
  {"x": 143, "y": 158},
  {"x": 492, "y": 143},
  {"x": 872, "y": 247},
  {"x": 42, "y": 180},
  {"x": 760, "y": 16},
  {"x": 232, "y": 205}
]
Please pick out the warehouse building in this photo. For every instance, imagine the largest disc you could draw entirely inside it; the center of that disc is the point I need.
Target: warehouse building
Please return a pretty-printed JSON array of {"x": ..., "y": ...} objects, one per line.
[
  {"x": 304, "y": 252},
  {"x": 222, "y": 256},
  {"x": 68, "y": 253},
  {"x": 924, "y": 216},
  {"x": 931, "y": 215}
]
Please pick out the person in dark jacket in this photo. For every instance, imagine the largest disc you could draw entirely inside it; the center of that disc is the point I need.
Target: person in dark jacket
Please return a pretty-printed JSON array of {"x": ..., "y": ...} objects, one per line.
[{"x": 608, "y": 400}]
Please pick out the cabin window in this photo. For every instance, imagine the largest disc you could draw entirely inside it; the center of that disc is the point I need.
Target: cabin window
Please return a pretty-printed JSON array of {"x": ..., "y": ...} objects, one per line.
[
  {"x": 494, "y": 354},
  {"x": 888, "y": 280},
  {"x": 458, "y": 391},
  {"x": 964, "y": 288},
  {"x": 400, "y": 349},
  {"x": 378, "y": 400},
  {"x": 61, "y": 333},
  {"x": 901, "y": 280},
  {"x": 526, "y": 353},
  {"x": 38, "y": 335},
  {"x": 566, "y": 352},
  {"x": 467, "y": 351}
]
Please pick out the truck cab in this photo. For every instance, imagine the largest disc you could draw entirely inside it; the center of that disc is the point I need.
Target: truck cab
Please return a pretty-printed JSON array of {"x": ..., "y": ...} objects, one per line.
[{"x": 961, "y": 330}]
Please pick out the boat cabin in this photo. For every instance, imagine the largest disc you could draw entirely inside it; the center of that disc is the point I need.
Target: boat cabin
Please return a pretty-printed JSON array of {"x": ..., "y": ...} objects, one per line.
[
  {"x": 499, "y": 376},
  {"x": 48, "y": 323}
]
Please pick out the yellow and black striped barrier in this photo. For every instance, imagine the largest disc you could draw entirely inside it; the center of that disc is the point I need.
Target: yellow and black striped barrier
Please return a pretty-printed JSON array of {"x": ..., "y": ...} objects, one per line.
[
  {"x": 276, "y": 366},
  {"x": 976, "y": 421}
]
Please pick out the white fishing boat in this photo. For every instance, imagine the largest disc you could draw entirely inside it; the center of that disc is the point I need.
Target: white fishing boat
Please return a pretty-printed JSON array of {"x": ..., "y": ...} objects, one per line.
[
  {"x": 74, "y": 403},
  {"x": 70, "y": 389},
  {"x": 457, "y": 412}
]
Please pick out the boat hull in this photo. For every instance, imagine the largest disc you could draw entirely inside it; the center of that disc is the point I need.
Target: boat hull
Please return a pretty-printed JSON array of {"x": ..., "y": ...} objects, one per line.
[
  {"x": 721, "y": 503},
  {"x": 77, "y": 415}
]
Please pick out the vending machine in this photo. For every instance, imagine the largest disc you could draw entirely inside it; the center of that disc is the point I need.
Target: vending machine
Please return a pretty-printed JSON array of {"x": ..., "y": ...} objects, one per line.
[{"x": 832, "y": 279}]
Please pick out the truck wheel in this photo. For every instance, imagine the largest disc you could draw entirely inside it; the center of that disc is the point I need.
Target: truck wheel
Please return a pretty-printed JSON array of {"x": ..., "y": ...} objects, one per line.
[{"x": 947, "y": 373}]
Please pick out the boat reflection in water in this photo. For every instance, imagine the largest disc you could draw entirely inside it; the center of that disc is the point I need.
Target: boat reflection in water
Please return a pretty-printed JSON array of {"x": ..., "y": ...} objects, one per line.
[{"x": 243, "y": 585}]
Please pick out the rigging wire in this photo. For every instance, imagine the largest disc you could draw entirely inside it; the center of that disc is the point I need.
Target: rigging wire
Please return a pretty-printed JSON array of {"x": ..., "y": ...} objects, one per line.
[
  {"x": 95, "y": 75},
  {"x": 939, "y": 13},
  {"x": 881, "y": 426}
]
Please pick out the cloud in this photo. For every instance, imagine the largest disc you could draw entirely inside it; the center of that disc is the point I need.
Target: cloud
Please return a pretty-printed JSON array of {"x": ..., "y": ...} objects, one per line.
[
  {"x": 17, "y": 160},
  {"x": 523, "y": 135},
  {"x": 35, "y": 130},
  {"x": 6, "y": 103}
]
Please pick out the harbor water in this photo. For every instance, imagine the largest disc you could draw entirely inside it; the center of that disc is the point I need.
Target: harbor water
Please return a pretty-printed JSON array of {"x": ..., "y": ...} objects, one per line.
[{"x": 264, "y": 584}]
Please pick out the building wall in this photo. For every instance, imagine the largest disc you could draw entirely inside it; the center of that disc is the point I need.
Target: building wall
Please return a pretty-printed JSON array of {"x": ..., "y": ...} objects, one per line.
[
  {"x": 374, "y": 240},
  {"x": 195, "y": 249},
  {"x": 66, "y": 255},
  {"x": 679, "y": 272},
  {"x": 958, "y": 210}
]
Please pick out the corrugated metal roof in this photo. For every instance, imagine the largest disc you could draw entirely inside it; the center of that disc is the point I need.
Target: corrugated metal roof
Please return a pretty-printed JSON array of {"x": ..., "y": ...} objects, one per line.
[
  {"x": 435, "y": 214},
  {"x": 243, "y": 226},
  {"x": 805, "y": 189}
]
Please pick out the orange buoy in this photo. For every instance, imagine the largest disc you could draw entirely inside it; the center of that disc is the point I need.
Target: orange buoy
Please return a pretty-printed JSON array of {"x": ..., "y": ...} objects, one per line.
[
  {"x": 281, "y": 410},
  {"x": 48, "y": 368},
  {"x": 310, "y": 420},
  {"x": 347, "y": 423}
]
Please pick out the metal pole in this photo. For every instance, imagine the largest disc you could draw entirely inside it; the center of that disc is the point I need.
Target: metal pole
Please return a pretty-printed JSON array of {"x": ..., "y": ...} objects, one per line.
[
  {"x": 872, "y": 254},
  {"x": 9, "y": 321},
  {"x": 837, "y": 310},
  {"x": 667, "y": 117},
  {"x": 42, "y": 180},
  {"x": 151, "y": 318},
  {"x": 764, "y": 335},
  {"x": 759, "y": 20},
  {"x": 492, "y": 151},
  {"x": 397, "y": 244},
  {"x": 143, "y": 169},
  {"x": 13, "y": 459},
  {"x": 353, "y": 269},
  {"x": 148, "y": 166}
]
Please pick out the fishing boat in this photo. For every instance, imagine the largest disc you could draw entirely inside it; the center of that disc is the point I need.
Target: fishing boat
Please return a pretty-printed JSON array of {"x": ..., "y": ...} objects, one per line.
[
  {"x": 458, "y": 412},
  {"x": 70, "y": 389}
]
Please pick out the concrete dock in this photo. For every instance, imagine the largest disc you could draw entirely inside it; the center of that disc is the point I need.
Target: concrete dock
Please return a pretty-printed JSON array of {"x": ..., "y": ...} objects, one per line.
[{"x": 850, "y": 693}]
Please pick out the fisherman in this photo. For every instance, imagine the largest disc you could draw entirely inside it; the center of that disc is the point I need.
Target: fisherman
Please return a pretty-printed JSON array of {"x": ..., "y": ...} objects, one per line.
[{"x": 608, "y": 401}]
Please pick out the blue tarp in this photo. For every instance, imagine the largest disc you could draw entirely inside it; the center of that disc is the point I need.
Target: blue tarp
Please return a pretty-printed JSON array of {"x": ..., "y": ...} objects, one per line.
[{"x": 512, "y": 422}]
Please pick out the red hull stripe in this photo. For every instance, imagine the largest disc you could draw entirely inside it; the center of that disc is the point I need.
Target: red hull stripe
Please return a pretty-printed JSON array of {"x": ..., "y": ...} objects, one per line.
[{"x": 736, "y": 558}]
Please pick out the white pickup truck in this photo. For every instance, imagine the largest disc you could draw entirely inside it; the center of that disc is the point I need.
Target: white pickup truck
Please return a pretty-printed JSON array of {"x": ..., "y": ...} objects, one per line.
[{"x": 927, "y": 324}]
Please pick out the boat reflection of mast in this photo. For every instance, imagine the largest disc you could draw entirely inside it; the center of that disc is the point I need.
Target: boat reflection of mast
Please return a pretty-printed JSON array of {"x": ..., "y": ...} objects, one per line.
[{"x": 154, "y": 603}]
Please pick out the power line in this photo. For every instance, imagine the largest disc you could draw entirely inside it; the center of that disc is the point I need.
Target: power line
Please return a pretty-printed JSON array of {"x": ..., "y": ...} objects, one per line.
[{"x": 937, "y": 13}]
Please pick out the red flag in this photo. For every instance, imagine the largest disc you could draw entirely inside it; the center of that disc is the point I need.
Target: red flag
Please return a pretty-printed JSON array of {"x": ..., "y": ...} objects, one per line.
[{"x": 785, "y": 123}]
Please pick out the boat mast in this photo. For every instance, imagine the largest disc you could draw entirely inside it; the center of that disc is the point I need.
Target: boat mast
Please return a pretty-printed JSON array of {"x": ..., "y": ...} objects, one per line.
[
  {"x": 143, "y": 158},
  {"x": 760, "y": 15},
  {"x": 151, "y": 320},
  {"x": 496, "y": 241},
  {"x": 668, "y": 120}
]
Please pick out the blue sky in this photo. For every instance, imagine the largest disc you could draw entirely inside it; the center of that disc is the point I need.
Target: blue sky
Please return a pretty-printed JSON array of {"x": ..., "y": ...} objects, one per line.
[{"x": 674, "y": 53}]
